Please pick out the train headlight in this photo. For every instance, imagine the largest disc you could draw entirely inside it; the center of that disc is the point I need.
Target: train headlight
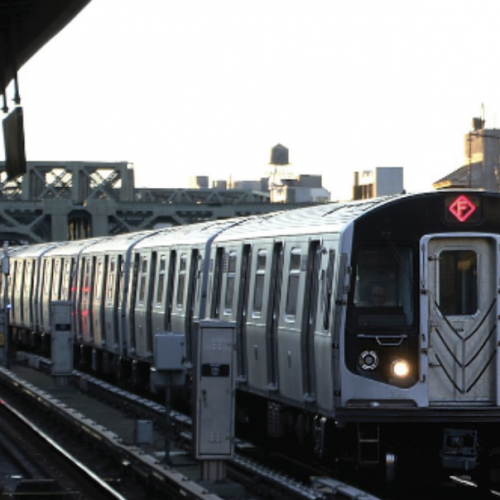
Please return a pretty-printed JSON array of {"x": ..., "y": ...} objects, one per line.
[
  {"x": 368, "y": 360},
  {"x": 400, "y": 368}
]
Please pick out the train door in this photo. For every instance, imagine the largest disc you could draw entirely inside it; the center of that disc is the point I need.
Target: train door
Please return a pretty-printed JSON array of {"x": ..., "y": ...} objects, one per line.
[
  {"x": 46, "y": 295},
  {"x": 142, "y": 305},
  {"x": 120, "y": 318},
  {"x": 462, "y": 300},
  {"x": 56, "y": 280},
  {"x": 170, "y": 290},
  {"x": 28, "y": 294},
  {"x": 97, "y": 301},
  {"x": 130, "y": 306},
  {"x": 273, "y": 316},
  {"x": 149, "y": 304},
  {"x": 86, "y": 299},
  {"x": 309, "y": 319},
  {"x": 17, "y": 270},
  {"x": 66, "y": 279},
  {"x": 160, "y": 283},
  {"x": 256, "y": 328},
  {"x": 139, "y": 304},
  {"x": 241, "y": 312},
  {"x": 217, "y": 277},
  {"x": 110, "y": 301},
  {"x": 190, "y": 300}
]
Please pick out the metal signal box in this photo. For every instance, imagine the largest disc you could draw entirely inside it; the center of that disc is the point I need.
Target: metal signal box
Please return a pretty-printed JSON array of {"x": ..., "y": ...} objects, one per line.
[
  {"x": 62, "y": 338},
  {"x": 215, "y": 398}
]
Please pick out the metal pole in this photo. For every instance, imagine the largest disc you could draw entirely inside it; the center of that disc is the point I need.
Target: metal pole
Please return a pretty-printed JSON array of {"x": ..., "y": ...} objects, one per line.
[{"x": 470, "y": 160}]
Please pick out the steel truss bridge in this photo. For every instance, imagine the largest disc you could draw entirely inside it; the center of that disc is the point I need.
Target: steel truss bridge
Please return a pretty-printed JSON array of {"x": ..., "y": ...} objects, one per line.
[{"x": 59, "y": 201}]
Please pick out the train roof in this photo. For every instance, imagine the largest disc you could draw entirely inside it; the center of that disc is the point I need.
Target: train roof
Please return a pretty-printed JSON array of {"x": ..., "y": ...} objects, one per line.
[
  {"x": 319, "y": 219},
  {"x": 119, "y": 243},
  {"x": 73, "y": 247},
  {"x": 328, "y": 218},
  {"x": 192, "y": 234},
  {"x": 33, "y": 251}
]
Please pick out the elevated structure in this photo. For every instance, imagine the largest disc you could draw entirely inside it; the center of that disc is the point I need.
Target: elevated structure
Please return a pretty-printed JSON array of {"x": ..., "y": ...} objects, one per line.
[{"x": 57, "y": 201}]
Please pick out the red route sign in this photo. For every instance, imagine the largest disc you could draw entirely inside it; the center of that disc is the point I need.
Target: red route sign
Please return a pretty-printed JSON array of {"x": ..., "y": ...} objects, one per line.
[{"x": 462, "y": 208}]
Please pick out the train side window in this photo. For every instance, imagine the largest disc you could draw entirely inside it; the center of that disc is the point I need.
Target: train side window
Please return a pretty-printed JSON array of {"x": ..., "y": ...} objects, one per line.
[
  {"x": 111, "y": 281},
  {"x": 172, "y": 262},
  {"x": 98, "y": 282},
  {"x": 86, "y": 284},
  {"x": 217, "y": 275},
  {"x": 230, "y": 279},
  {"x": 328, "y": 290},
  {"x": 121, "y": 279},
  {"x": 46, "y": 277},
  {"x": 28, "y": 282},
  {"x": 181, "y": 281},
  {"x": 19, "y": 277},
  {"x": 65, "y": 279},
  {"x": 56, "y": 274},
  {"x": 72, "y": 280},
  {"x": 458, "y": 282},
  {"x": 162, "y": 269},
  {"x": 143, "y": 273},
  {"x": 260, "y": 275},
  {"x": 293, "y": 282}
]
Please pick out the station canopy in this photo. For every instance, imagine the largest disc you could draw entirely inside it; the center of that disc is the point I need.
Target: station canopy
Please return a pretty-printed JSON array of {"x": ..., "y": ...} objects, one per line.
[{"x": 26, "y": 26}]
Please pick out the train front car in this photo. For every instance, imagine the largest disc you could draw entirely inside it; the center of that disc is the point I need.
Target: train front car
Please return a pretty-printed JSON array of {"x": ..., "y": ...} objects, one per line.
[{"x": 419, "y": 363}]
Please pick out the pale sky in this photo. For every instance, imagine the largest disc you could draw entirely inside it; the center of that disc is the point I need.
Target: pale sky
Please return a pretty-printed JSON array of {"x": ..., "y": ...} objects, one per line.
[{"x": 208, "y": 87}]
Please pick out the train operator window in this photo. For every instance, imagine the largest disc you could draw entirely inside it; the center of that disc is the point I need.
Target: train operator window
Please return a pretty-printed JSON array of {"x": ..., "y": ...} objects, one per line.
[
  {"x": 383, "y": 288},
  {"x": 458, "y": 282}
]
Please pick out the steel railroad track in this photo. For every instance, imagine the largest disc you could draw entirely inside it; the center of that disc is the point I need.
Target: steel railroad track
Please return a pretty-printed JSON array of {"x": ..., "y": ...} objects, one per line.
[
  {"x": 44, "y": 467},
  {"x": 263, "y": 479}
]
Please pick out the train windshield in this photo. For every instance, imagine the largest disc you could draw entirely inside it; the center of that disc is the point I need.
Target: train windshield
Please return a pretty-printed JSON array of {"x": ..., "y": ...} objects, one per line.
[{"x": 383, "y": 289}]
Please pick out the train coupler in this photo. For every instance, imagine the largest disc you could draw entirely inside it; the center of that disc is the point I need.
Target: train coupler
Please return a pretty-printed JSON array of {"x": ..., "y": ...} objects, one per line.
[{"x": 459, "y": 449}]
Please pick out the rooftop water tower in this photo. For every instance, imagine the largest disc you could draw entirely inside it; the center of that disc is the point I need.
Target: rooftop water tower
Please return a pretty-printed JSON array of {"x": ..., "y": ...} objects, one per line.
[{"x": 280, "y": 170}]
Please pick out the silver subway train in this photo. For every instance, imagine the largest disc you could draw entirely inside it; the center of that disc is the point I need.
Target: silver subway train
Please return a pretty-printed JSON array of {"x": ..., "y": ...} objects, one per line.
[{"x": 365, "y": 330}]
